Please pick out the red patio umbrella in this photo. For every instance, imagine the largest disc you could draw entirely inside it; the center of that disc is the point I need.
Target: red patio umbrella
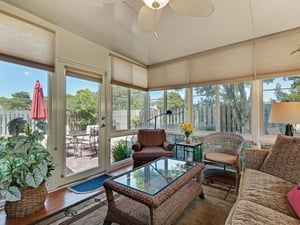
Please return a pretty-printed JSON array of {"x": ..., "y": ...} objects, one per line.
[{"x": 38, "y": 105}]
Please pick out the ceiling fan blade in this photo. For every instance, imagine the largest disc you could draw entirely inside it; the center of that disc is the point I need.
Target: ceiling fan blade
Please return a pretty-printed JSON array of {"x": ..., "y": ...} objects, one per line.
[
  {"x": 196, "y": 8},
  {"x": 148, "y": 18}
]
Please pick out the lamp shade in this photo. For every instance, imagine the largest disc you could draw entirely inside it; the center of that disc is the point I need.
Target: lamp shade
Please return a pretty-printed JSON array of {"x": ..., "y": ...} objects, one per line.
[{"x": 285, "y": 112}]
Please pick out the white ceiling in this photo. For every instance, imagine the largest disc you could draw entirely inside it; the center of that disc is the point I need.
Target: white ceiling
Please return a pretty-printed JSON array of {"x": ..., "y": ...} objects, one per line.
[{"x": 114, "y": 25}]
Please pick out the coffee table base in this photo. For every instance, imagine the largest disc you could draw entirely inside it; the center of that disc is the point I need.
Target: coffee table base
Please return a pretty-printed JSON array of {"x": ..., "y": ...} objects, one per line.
[{"x": 127, "y": 211}]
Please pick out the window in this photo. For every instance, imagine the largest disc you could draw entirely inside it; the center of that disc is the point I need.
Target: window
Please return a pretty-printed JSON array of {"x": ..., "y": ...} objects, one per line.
[
  {"x": 16, "y": 97},
  {"x": 176, "y": 103},
  {"x": 137, "y": 109},
  {"x": 121, "y": 148},
  {"x": 235, "y": 107},
  {"x": 204, "y": 108},
  {"x": 128, "y": 108},
  {"x": 160, "y": 102},
  {"x": 279, "y": 90},
  {"x": 156, "y": 102}
]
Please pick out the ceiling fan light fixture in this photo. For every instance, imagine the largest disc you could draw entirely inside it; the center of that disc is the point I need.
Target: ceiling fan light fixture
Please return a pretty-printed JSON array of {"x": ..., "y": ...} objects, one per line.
[{"x": 156, "y": 4}]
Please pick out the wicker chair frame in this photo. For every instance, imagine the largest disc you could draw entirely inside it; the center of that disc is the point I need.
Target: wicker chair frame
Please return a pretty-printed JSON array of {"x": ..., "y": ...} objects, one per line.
[{"x": 224, "y": 142}]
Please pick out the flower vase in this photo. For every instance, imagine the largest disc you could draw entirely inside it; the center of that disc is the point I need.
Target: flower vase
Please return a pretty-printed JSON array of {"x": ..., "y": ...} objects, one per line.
[{"x": 187, "y": 139}]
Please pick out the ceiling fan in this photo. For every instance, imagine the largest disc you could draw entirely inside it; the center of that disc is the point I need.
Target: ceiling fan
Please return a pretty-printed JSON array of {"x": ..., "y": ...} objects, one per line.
[{"x": 149, "y": 14}]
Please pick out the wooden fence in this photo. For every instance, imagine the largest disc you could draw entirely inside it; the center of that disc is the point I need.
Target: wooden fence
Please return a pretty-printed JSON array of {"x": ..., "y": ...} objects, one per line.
[
  {"x": 203, "y": 117},
  {"x": 8, "y": 115}
]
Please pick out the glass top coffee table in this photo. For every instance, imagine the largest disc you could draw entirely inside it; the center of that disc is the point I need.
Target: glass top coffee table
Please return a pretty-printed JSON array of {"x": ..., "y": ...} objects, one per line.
[{"x": 155, "y": 193}]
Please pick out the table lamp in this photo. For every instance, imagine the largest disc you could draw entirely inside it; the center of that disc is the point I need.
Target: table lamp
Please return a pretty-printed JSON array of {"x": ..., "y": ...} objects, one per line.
[{"x": 285, "y": 112}]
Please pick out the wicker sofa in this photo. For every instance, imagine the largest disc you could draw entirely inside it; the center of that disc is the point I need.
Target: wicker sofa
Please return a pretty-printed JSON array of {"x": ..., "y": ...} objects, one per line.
[{"x": 267, "y": 177}]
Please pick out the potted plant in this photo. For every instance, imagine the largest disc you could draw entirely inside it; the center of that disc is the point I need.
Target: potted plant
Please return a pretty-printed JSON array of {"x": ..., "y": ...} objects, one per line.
[{"x": 25, "y": 165}]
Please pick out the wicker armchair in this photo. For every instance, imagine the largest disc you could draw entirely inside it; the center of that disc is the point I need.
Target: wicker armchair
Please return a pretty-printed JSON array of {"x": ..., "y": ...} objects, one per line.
[
  {"x": 151, "y": 144},
  {"x": 223, "y": 148}
]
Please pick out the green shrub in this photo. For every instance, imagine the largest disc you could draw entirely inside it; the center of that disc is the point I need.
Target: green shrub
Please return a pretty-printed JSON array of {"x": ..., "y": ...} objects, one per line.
[{"x": 121, "y": 151}]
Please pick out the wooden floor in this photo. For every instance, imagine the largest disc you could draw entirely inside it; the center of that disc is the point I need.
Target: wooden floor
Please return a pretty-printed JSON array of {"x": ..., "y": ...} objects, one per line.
[{"x": 55, "y": 202}]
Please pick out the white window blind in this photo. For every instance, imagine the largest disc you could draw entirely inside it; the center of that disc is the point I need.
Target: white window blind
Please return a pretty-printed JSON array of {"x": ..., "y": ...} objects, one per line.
[
  {"x": 273, "y": 55},
  {"x": 259, "y": 58},
  {"x": 80, "y": 73},
  {"x": 26, "y": 43},
  {"x": 128, "y": 74},
  {"x": 169, "y": 76}
]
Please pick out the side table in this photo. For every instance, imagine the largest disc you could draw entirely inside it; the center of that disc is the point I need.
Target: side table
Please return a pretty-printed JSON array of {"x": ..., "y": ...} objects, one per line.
[{"x": 186, "y": 148}]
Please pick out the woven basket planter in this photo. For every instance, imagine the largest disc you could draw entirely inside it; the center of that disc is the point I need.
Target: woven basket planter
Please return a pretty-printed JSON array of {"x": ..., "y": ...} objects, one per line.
[{"x": 33, "y": 199}]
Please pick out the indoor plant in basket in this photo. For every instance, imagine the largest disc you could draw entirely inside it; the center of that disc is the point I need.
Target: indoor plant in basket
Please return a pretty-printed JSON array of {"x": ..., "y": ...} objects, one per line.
[{"x": 25, "y": 165}]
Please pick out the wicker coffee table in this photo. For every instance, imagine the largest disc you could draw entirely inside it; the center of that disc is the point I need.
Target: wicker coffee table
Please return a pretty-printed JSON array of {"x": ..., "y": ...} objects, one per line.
[{"x": 156, "y": 193}]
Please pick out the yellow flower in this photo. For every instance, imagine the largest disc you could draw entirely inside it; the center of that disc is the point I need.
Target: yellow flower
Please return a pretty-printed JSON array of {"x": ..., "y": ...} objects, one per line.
[{"x": 187, "y": 129}]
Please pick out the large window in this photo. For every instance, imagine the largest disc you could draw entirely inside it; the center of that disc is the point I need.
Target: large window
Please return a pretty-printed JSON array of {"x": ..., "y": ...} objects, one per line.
[
  {"x": 286, "y": 89},
  {"x": 157, "y": 105},
  {"x": 137, "y": 109},
  {"x": 128, "y": 108},
  {"x": 176, "y": 102},
  {"x": 160, "y": 102},
  {"x": 204, "y": 108},
  {"x": 235, "y": 107},
  {"x": 16, "y": 90}
]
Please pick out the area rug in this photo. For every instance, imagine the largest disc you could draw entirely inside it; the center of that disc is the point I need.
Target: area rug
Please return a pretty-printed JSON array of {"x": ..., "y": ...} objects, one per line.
[
  {"x": 212, "y": 210},
  {"x": 90, "y": 185}
]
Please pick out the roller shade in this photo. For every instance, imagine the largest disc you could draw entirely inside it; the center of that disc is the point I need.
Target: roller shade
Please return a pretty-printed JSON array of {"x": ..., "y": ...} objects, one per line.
[
  {"x": 26, "y": 43},
  {"x": 259, "y": 58},
  {"x": 230, "y": 64},
  {"x": 169, "y": 76},
  {"x": 128, "y": 74},
  {"x": 273, "y": 55},
  {"x": 79, "y": 73}
]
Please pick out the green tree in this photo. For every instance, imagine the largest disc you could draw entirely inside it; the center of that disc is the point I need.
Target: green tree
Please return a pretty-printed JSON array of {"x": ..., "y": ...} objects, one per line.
[
  {"x": 282, "y": 96},
  {"x": 207, "y": 94},
  {"x": 235, "y": 97},
  {"x": 119, "y": 97},
  {"x": 174, "y": 100},
  {"x": 19, "y": 101},
  {"x": 83, "y": 108},
  {"x": 137, "y": 99},
  {"x": 294, "y": 96}
]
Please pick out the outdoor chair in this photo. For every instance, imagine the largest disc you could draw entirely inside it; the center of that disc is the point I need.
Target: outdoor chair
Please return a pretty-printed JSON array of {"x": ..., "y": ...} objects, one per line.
[
  {"x": 151, "y": 144},
  {"x": 89, "y": 141},
  {"x": 223, "y": 149}
]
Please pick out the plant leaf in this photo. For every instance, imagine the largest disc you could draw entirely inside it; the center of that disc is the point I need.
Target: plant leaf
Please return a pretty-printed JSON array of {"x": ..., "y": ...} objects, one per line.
[
  {"x": 12, "y": 194},
  {"x": 34, "y": 179}
]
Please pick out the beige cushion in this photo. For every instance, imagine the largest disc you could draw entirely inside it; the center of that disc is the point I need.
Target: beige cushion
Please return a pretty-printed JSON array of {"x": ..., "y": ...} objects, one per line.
[
  {"x": 266, "y": 190},
  {"x": 246, "y": 213},
  {"x": 284, "y": 159},
  {"x": 221, "y": 158}
]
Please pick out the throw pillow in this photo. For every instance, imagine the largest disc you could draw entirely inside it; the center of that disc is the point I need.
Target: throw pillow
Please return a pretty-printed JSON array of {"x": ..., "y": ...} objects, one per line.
[
  {"x": 284, "y": 159},
  {"x": 293, "y": 197}
]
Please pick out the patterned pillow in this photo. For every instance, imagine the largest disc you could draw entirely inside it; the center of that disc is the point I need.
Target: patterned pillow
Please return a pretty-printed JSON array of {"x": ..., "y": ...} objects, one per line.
[
  {"x": 284, "y": 159},
  {"x": 294, "y": 199}
]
